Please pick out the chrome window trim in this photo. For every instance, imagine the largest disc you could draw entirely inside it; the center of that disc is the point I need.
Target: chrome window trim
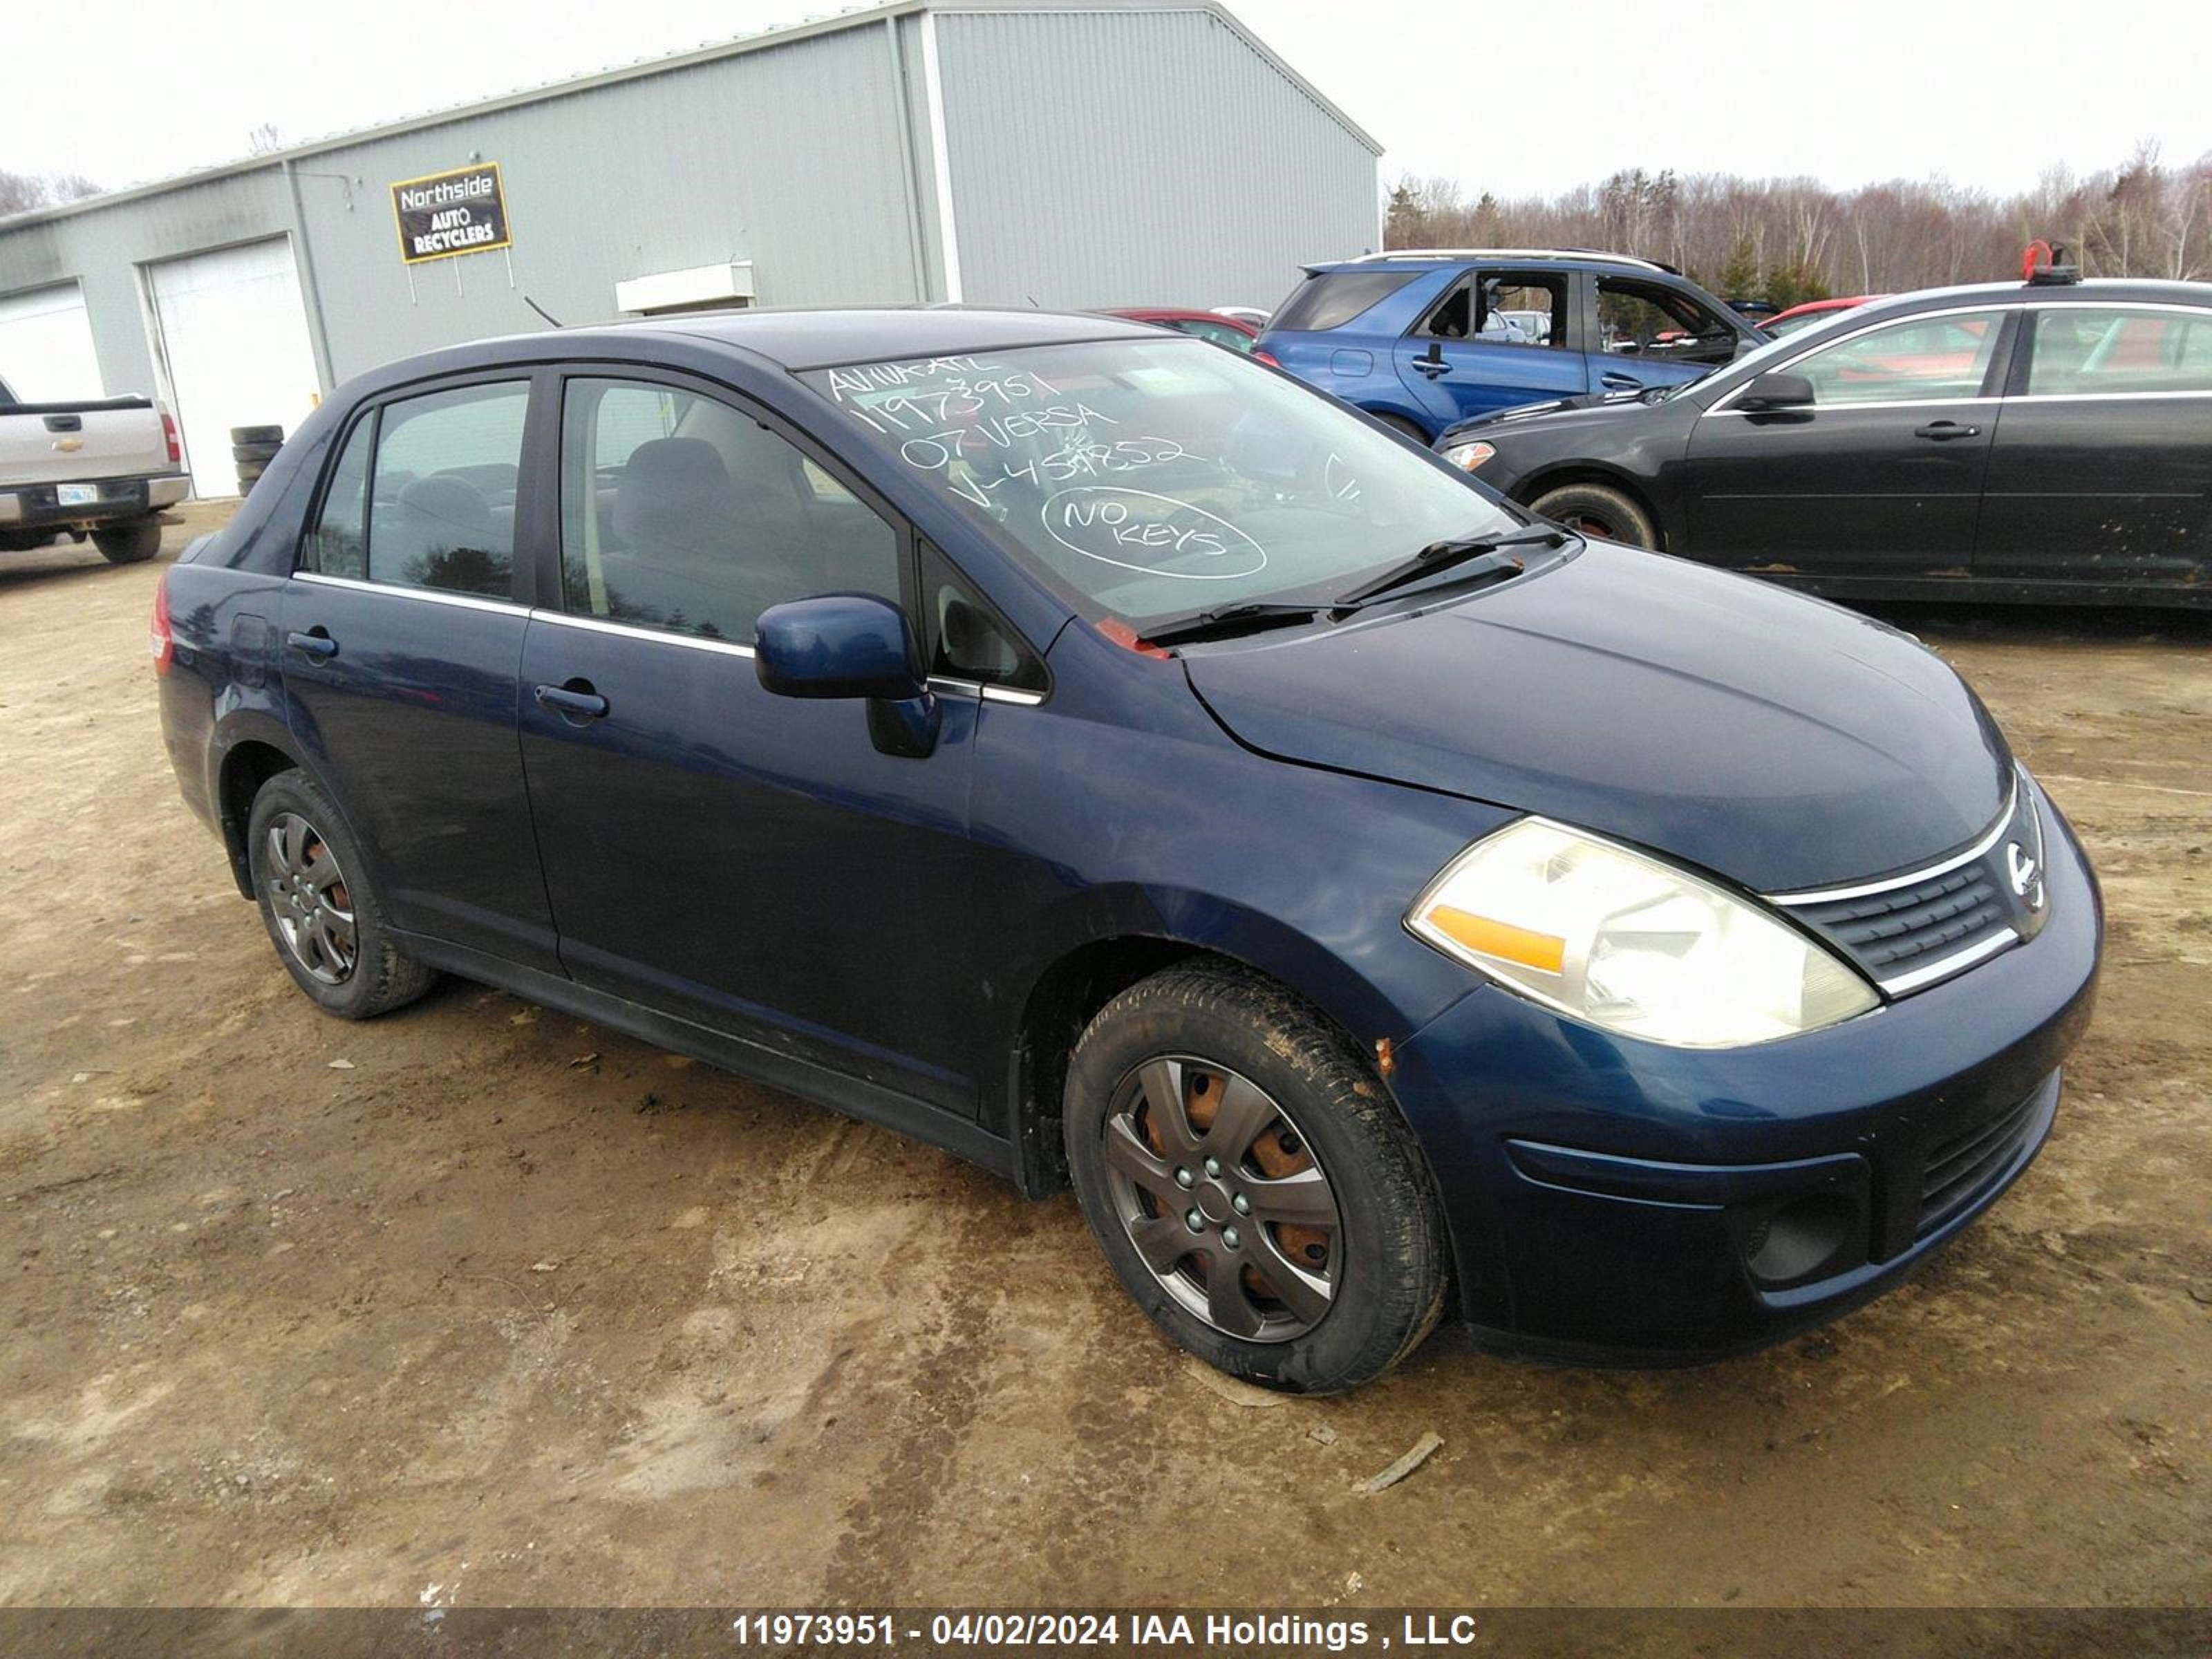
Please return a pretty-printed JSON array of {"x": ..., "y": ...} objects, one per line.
[
  {"x": 1864, "y": 889},
  {"x": 1784, "y": 365},
  {"x": 1950, "y": 965},
  {"x": 432, "y": 595},
  {"x": 1844, "y": 409},
  {"x": 2101, "y": 396},
  {"x": 631, "y": 631}
]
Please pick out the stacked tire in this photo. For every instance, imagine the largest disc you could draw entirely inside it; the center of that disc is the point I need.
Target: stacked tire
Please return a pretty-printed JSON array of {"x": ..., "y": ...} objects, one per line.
[{"x": 252, "y": 447}]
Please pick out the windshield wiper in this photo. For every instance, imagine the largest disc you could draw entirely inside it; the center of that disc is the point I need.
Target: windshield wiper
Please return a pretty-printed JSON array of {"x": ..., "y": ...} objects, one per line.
[
  {"x": 1219, "y": 623},
  {"x": 1456, "y": 550}
]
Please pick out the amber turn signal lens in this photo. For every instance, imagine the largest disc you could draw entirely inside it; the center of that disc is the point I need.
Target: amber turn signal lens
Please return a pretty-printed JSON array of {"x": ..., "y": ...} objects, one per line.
[{"x": 1545, "y": 952}]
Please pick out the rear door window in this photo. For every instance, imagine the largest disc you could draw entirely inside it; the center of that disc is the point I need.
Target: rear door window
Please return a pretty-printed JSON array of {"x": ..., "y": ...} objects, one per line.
[
  {"x": 1336, "y": 297},
  {"x": 2082, "y": 349},
  {"x": 1500, "y": 308},
  {"x": 442, "y": 496}
]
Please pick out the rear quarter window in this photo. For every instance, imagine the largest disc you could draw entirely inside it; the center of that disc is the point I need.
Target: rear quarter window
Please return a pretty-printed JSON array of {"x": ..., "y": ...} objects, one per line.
[{"x": 1336, "y": 297}]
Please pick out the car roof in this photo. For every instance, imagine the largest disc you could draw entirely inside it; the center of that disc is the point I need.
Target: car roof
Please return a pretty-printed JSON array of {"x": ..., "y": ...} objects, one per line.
[
  {"x": 2092, "y": 291},
  {"x": 1429, "y": 259},
  {"x": 801, "y": 339}
]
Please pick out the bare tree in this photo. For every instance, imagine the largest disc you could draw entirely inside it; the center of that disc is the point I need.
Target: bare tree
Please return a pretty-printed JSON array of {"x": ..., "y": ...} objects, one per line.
[
  {"x": 21, "y": 192},
  {"x": 1794, "y": 238}
]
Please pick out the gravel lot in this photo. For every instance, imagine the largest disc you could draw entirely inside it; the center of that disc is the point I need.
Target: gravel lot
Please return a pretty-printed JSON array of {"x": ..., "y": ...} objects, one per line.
[{"x": 478, "y": 1305}]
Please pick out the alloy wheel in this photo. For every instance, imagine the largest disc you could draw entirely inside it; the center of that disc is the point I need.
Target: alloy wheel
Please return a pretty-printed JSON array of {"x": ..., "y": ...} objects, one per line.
[
  {"x": 1223, "y": 1198},
  {"x": 308, "y": 895}
]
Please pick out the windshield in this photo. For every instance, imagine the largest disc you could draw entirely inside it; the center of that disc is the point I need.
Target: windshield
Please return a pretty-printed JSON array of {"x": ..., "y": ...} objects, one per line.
[{"x": 1150, "y": 480}]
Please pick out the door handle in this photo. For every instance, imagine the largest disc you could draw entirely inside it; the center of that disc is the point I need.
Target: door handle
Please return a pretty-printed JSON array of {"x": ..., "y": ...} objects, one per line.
[
  {"x": 315, "y": 642},
  {"x": 575, "y": 702},
  {"x": 1616, "y": 381},
  {"x": 1432, "y": 367},
  {"x": 1942, "y": 429}
]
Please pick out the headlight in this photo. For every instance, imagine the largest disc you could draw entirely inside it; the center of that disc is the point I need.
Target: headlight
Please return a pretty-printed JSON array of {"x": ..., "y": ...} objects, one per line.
[
  {"x": 1631, "y": 944},
  {"x": 1468, "y": 457}
]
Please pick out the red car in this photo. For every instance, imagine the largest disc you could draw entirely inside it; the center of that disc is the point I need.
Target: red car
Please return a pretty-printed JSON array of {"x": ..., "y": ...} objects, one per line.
[
  {"x": 1232, "y": 333},
  {"x": 1813, "y": 311}
]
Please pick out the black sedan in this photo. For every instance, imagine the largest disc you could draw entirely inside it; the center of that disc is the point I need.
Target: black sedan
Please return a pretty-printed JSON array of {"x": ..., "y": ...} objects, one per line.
[{"x": 2040, "y": 442}]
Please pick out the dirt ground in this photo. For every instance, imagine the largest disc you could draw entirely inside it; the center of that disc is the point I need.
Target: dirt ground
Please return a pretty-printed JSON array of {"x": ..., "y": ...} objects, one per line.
[{"x": 478, "y": 1305}]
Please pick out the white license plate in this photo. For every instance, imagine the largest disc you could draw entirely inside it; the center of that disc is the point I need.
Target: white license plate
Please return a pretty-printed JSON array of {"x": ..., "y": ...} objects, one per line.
[{"x": 76, "y": 495}]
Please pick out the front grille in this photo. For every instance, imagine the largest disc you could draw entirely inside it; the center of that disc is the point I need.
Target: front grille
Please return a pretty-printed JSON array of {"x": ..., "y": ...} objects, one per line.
[
  {"x": 1910, "y": 930},
  {"x": 1960, "y": 1168},
  {"x": 1907, "y": 924}
]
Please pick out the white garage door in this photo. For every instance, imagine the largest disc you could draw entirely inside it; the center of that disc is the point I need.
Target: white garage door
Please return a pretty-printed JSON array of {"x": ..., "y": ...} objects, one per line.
[
  {"x": 46, "y": 346},
  {"x": 235, "y": 335}
]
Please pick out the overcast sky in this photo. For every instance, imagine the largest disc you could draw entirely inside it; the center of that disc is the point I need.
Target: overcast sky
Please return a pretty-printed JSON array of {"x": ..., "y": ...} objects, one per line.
[{"x": 1515, "y": 100}]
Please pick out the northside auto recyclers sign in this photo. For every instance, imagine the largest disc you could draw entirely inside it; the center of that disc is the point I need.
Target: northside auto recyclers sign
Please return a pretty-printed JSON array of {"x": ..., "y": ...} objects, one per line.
[{"x": 449, "y": 214}]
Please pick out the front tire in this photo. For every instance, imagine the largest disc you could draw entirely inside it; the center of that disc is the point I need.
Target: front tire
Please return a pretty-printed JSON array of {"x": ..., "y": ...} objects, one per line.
[
  {"x": 1251, "y": 1182},
  {"x": 325, "y": 919},
  {"x": 131, "y": 543},
  {"x": 1599, "y": 510}
]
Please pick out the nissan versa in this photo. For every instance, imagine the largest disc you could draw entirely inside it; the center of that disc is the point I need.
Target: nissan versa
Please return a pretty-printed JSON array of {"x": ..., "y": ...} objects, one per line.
[{"x": 1100, "y": 755}]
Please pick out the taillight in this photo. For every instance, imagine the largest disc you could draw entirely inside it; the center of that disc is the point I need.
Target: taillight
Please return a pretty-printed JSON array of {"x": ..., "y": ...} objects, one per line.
[
  {"x": 1266, "y": 357},
  {"x": 158, "y": 639},
  {"x": 169, "y": 436}
]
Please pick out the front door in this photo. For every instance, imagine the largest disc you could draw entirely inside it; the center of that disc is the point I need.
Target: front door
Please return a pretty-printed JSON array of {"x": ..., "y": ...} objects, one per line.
[
  {"x": 403, "y": 639},
  {"x": 1880, "y": 476},
  {"x": 2102, "y": 470},
  {"x": 1496, "y": 340},
  {"x": 749, "y": 861}
]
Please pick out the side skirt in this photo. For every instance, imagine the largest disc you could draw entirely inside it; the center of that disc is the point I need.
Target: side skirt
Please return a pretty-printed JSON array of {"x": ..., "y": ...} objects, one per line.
[{"x": 871, "y": 1102}]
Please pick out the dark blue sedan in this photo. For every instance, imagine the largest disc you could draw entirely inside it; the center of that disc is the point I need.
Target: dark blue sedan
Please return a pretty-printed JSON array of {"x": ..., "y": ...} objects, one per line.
[{"x": 1104, "y": 757}]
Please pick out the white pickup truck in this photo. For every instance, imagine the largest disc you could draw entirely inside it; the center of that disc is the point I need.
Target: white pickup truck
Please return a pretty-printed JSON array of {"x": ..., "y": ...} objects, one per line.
[{"x": 104, "y": 469}]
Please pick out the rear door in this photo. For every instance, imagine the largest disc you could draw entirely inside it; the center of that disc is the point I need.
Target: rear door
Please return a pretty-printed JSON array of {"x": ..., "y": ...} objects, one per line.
[
  {"x": 1882, "y": 475},
  {"x": 750, "y": 862},
  {"x": 2102, "y": 467},
  {"x": 1465, "y": 356},
  {"x": 403, "y": 638}
]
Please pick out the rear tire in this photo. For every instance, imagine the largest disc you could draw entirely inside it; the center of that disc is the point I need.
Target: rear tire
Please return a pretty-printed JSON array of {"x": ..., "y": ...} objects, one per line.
[
  {"x": 325, "y": 919},
  {"x": 1273, "y": 1131},
  {"x": 131, "y": 543},
  {"x": 1599, "y": 510}
]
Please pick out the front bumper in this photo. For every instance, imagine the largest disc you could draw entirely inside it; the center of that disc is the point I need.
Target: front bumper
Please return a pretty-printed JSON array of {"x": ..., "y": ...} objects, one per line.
[
  {"x": 1618, "y": 1200},
  {"x": 36, "y": 507}
]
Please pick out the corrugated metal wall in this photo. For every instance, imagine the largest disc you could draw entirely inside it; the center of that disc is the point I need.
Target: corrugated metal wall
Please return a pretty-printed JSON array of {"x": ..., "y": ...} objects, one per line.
[
  {"x": 1139, "y": 158},
  {"x": 103, "y": 249},
  {"x": 790, "y": 156},
  {"x": 1097, "y": 157}
]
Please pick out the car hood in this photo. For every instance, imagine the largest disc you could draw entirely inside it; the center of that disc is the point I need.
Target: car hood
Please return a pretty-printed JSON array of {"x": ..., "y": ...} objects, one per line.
[{"x": 1775, "y": 740}]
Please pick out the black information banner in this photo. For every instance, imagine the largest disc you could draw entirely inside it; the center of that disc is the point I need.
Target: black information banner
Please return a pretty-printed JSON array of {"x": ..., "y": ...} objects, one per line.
[
  {"x": 450, "y": 214},
  {"x": 436, "y": 1632}
]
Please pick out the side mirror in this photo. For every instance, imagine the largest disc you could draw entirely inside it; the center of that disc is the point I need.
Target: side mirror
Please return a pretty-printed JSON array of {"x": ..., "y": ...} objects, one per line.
[
  {"x": 1776, "y": 391},
  {"x": 851, "y": 646}
]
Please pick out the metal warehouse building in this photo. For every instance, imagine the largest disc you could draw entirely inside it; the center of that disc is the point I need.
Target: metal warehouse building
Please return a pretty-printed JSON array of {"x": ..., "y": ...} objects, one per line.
[{"x": 1105, "y": 152}]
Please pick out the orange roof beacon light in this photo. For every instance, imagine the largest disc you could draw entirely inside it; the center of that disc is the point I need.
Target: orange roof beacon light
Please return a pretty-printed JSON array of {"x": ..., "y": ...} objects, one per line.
[{"x": 2044, "y": 266}]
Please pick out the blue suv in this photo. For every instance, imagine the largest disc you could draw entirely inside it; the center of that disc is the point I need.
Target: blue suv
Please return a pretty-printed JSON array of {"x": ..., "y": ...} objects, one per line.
[{"x": 1424, "y": 338}]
